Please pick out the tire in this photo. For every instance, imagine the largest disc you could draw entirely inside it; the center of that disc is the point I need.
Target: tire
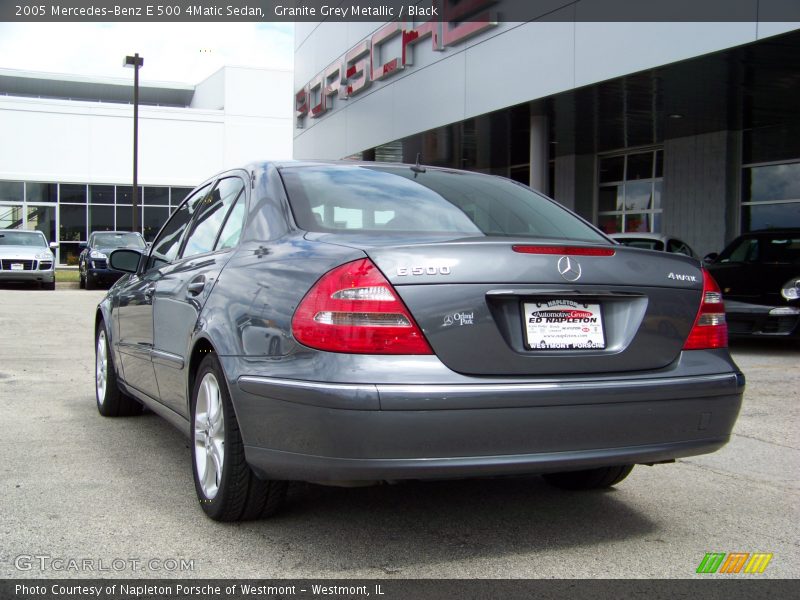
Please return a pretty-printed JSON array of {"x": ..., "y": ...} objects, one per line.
[
  {"x": 590, "y": 479},
  {"x": 82, "y": 282},
  {"x": 226, "y": 486},
  {"x": 111, "y": 402},
  {"x": 88, "y": 283},
  {"x": 48, "y": 285}
]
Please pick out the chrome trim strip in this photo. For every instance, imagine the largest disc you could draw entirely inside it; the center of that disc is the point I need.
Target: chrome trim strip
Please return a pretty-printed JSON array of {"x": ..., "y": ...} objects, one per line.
[
  {"x": 312, "y": 385},
  {"x": 561, "y": 386},
  {"x": 428, "y": 389},
  {"x": 167, "y": 359}
]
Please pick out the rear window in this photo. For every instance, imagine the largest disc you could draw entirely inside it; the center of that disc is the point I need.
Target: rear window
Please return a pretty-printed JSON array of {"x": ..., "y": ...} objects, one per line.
[
  {"x": 780, "y": 249},
  {"x": 397, "y": 199}
]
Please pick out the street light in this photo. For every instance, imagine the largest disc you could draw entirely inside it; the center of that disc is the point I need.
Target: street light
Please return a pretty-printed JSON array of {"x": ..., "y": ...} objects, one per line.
[{"x": 135, "y": 61}]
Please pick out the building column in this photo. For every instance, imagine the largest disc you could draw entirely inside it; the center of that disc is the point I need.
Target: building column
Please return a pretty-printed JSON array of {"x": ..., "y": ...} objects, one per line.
[{"x": 539, "y": 153}]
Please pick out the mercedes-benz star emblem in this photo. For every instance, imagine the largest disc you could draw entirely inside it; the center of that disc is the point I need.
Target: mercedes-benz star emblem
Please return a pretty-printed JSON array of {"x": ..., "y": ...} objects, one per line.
[{"x": 569, "y": 268}]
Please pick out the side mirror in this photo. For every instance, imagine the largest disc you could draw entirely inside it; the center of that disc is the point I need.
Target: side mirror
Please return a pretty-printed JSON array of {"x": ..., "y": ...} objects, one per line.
[
  {"x": 53, "y": 245},
  {"x": 709, "y": 258},
  {"x": 82, "y": 246},
  {"x": 125, "y": 260}
]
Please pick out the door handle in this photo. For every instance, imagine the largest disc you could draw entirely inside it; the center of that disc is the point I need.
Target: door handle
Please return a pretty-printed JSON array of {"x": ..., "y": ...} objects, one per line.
[{"x": 196, "y": 286}]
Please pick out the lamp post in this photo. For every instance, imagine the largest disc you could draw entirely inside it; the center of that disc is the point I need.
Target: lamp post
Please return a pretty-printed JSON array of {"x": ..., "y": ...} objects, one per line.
[{"x": 135, "y": 61}]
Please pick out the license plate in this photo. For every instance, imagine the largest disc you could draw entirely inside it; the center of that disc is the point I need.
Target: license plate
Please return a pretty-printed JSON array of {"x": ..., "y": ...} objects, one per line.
[
  {"x": 563, "y": 325},
  {"x": 17, "y": 267}
]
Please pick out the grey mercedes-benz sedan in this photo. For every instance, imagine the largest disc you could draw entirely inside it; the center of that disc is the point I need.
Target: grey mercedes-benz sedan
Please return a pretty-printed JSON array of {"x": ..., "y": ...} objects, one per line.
[{"x": 353, "y": 322}]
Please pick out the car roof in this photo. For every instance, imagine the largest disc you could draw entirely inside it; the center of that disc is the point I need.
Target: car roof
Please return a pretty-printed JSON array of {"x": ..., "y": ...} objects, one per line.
[
  {"x": 772, "y": 232},
  {"x": 640, "y": 236}
]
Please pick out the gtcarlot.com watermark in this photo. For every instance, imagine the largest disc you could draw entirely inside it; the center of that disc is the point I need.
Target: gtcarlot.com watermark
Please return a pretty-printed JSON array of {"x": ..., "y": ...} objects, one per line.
[{"x": 61, "y": 564}]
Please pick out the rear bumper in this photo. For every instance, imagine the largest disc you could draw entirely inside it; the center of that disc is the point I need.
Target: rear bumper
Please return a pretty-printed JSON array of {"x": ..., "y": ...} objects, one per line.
[
  {"x": 322, "y": 432},
  {"x": 755, "y": 320}
]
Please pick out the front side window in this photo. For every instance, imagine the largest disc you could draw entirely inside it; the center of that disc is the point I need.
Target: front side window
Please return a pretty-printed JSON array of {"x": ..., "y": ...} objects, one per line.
[
  {"x": 378, "y": 199},
  {"x": 168, "y": 242},
  {"x": 211, "y": 214}
]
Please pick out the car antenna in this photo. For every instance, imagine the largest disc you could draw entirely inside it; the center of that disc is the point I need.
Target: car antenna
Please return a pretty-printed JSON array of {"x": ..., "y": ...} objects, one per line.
[{"x": 418, "y": 168}]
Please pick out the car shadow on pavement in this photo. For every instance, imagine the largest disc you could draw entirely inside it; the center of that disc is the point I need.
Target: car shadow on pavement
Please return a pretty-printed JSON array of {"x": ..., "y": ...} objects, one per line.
[
  {"x": 422, "y": 522},
  {"x": 387, "y": 529}
]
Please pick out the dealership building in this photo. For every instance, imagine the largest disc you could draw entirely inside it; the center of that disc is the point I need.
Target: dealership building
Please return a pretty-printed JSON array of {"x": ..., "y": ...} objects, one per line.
[
  {"x": 690, "y": 129},
  {"x": 66, "y": 157}
]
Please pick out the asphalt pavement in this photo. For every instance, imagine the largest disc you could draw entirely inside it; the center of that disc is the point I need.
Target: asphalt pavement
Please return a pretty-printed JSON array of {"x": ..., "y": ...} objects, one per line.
[{"x": 87, "y": 496}]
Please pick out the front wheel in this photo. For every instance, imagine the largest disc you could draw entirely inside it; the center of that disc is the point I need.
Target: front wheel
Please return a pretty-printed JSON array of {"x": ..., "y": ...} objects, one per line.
[
  {"x": 226, "y": 486},
  {"x": 111, "y": 402},
  {"x": 590, "y": 479}
]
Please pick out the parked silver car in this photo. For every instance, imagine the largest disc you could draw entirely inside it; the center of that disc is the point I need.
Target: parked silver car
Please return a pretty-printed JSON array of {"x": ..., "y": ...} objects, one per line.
[
  {"x": 26, "y": 256},
  {"x": 654, "y": 241}
]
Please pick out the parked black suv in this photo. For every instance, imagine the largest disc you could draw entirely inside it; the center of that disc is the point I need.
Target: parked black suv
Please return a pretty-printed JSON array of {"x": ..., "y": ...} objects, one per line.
[{"x": 93, "y": 260}]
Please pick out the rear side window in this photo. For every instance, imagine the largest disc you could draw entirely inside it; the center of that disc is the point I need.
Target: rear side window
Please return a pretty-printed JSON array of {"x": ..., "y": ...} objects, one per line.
[{"x": 397, "y": 199}]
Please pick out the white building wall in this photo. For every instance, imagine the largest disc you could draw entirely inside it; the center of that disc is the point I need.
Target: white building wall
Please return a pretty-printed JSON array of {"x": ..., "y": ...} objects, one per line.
[{"x": 91, "y": 142}]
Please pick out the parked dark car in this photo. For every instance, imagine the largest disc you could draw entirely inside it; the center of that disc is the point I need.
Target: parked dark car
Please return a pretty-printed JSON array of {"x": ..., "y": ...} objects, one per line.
[
  {"x": 654, "y": 241},
  {"x": 25, "y": 256},
  {"x": 93, "y": 260},
  {"x": 348, "y": 322},
  {"x": 759, "y": 274}
]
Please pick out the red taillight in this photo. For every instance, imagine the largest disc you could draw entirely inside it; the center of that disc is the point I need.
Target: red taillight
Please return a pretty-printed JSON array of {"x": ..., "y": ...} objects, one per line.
[
  {"x": 354, "y": 309},
  {"x": 565, "y": 250},
  {"x": 710, "y": 329}
]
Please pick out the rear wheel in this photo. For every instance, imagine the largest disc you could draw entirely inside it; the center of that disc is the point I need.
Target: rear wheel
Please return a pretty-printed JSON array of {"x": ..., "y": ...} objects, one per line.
[
  {"x": 590, "y": 479},
  {"x": 226, "y": 486},
  {"x": 111, "y": 402}
]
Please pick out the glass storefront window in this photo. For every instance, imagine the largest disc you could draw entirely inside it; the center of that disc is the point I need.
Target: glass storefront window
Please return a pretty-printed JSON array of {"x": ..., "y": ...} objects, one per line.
[
  {"x": 771, "y": 182},
  {"x": 770, "y": 216},
  {"x": 101, "y": 194},
  {"x": 72, "y": 223},
  {"x": 41, "y": 192},
  {"x": 10, "y": 217},
  {"x": 125, "y": 194},
  {"x": 101, "y": 218},
  {"x": 156, "y": 196},
  {"x": 178, "y": 195},
  {"x": 11, "y": 191},
  {"x": 72, "y": 193},
  {"x": 154, "y": 217},
  {"x": 770, "y": 192},
  {"x": 629, "y": 196},
  {"x": 612, "y": 169},
  {"x": 68, "y": 253},
  {"x": 43, "y": 218},
  {"x": 125, "y": 217}
]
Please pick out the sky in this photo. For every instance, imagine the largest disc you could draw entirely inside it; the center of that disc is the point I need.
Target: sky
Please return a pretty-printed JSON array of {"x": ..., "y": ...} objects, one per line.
[{"x": 172, "y": 52}]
